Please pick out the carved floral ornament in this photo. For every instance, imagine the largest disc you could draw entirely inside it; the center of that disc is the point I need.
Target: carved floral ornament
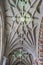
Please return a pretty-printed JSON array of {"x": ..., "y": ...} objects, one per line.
[{"x": 22, "y": 19}]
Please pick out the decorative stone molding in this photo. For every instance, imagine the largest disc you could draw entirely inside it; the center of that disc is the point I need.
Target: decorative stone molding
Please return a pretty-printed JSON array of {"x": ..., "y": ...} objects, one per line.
[{"x": 41, "y": 43}]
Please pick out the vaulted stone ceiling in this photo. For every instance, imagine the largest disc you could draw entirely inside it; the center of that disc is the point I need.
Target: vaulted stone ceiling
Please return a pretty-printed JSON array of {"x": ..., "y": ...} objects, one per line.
[{"x": 22, "y": 23}]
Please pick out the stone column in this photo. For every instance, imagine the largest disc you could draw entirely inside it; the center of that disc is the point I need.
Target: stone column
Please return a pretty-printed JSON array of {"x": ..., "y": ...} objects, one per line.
[{"x": 2, "y": 43}]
